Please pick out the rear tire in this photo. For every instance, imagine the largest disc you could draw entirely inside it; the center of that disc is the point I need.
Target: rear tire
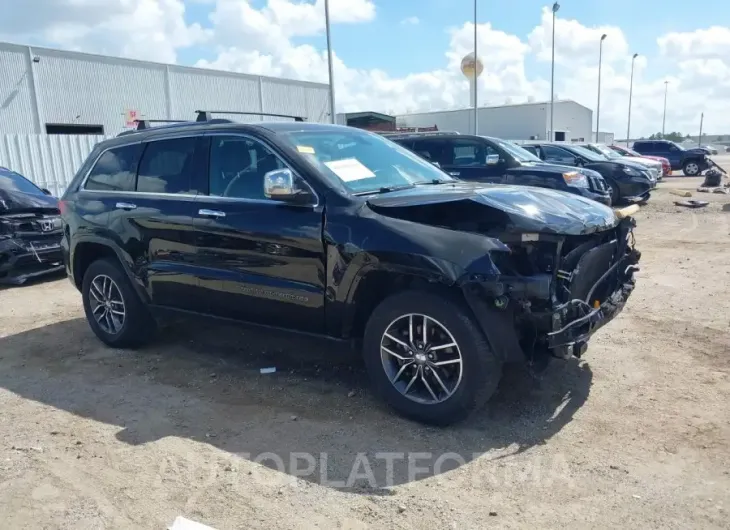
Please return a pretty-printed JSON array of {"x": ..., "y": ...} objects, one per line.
[
  {"x": 113, "y": 309},
  {"x": 452, "y": 390},
  {"x": 691, "y": 168}
]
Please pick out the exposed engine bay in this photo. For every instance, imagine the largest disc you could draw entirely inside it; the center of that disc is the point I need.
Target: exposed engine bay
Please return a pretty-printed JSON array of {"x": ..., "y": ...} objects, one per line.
[{"x": 561, "y": 289}]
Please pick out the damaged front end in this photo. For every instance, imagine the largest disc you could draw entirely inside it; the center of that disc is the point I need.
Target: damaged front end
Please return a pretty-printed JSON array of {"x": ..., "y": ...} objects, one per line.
[
  {"x": 555, "y": 290},
  {"x": 29, "y": 246}
]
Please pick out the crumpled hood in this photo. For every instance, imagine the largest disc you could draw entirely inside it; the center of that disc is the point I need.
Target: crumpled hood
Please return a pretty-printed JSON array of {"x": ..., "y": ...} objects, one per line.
[
  {"x": 524, "y": 209},
  {"x": 12, "y": 201}
]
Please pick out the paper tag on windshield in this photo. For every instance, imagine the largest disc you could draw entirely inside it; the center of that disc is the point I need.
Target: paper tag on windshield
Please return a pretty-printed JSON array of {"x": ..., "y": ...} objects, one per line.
[
  {"x": 305, "y": 149},
  {"x": 349, "y": 169}
]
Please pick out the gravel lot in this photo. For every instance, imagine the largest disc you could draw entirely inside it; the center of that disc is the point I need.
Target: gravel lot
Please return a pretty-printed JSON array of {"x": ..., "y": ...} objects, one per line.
[{"x": 636, "y": 434}]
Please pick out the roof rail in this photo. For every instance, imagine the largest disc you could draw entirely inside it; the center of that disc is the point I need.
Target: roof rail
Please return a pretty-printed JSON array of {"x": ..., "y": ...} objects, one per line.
[
  {"x": 417, "y": 134},
  {"x": 207, "y": 115},
  {"x": 143, "y": 125},
  {"x": 147, "y": 124}
]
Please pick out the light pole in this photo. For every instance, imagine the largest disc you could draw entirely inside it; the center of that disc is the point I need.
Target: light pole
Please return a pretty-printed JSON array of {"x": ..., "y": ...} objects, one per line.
[
  {"x": 329, "y": 60},
  {"x": 664, "y": 118},
  {"x": 598, "y": 105},
  {"x": 476, "y": 111},
  {"x": 556, "y": 6},
  {"x": 631, "y": 89}
]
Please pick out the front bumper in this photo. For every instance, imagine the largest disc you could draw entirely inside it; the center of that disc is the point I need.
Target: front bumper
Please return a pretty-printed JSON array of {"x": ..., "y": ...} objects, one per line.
[
  {"x": 22, "y": 259},
  {"x": 576, "y": 321},
  {"x": 635, "y": 188},
  {"x": 556, "y": 312}
]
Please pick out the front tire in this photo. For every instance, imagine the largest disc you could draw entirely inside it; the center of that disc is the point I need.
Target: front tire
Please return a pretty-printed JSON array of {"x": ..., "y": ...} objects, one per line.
[
  {"x": 439, "y": 380},
  {"x": 113, "y": 309},
  {"x": 691, "y": 168}
]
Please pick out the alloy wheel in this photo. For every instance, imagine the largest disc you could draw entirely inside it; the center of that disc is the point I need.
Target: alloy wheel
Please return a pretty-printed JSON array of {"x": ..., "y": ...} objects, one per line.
[
  {"x": 421, "y": 358},
  {"x": 692, "y": 169},
  {"x": 107, "y": 304}
]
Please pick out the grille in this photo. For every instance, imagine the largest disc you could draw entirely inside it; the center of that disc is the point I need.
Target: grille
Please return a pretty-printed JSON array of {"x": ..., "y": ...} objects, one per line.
[{"x": 597, "y": 183}]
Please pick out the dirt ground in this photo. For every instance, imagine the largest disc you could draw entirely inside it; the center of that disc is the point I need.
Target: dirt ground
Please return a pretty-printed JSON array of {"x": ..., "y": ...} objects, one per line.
[{"x": 637, "y": 434}]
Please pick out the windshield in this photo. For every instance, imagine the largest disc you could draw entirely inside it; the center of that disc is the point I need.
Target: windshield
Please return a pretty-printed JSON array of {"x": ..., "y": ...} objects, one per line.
[
  {"x": 585, "y": 153},
  {"x": 605, "y": 150},
  {"x": 12, "y": 181},
  {"x": 364, "y": 162},
  {"x": 519, "y": 153}
]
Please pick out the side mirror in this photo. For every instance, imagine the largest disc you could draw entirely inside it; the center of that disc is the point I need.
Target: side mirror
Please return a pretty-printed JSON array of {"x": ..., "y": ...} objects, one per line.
[
  {"x": 279, "y": 185},
  {"x": 492, "y": 160},
  {"x": 46, "y": 191}
]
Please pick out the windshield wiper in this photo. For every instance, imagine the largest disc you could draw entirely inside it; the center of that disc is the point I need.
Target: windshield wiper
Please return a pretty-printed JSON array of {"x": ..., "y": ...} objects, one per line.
[
  {"x": 385, "y": 189},
  {"x": 432, "y": 182}
]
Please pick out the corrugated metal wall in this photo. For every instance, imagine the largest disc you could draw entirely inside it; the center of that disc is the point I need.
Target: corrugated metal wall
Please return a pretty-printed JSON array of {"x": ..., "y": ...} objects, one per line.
[
  {"x": 96, "y": 90},
  {"x": 51, "y": 161}
]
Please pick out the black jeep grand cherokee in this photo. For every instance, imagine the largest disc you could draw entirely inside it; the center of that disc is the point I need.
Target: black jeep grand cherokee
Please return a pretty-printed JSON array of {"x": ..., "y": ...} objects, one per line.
[{"x": 340, "y": 232}]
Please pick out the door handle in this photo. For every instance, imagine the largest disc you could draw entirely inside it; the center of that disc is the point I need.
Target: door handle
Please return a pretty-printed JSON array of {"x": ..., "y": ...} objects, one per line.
[
  {"x": 454, "y": 173},
  {"x": 126, "y": 206},
  {"x": 211, "y": 213}
]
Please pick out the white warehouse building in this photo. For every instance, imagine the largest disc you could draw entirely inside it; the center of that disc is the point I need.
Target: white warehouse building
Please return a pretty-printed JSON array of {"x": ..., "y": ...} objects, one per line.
[
  {"x": 525, "y": 121},
  {"x": 47, "y": 91}
]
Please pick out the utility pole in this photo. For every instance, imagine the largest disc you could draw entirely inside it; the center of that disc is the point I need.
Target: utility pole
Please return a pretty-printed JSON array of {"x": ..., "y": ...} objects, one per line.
[
  {"x": 699, "y": 140},
  {"x": 476, "y": 77},
  {"x": 631, "y": 89},
  {"x": 664, "y": 118},
  {"x": 556, "y": 6},
  {"x": 333, "y": 119},
  {"x": 598, "y": 105}
]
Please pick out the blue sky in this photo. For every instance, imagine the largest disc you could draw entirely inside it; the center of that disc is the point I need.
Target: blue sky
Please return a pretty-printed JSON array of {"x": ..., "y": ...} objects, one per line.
[{"x": 399, "y": 49}]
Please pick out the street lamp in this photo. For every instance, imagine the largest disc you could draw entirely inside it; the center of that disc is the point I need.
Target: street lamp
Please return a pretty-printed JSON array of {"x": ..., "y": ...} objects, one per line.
[
  {"x": 556, "y": 6},
  {"x": 664, "y": 118},
  {"x": 631, "y": 89},
  {"x": 329, "y": 60},
  {"x": 598, "y": 106}
]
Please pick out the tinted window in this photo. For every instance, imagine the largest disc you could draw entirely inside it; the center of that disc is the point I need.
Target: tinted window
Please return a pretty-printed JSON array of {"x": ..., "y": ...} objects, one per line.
[
  {"x": 168, "y": 166},
  {"x": 431, "y": 150},
  {"x": 238, "y": 166},
  {"x": 115, "y": 170},
  {"x": 554, "y": 152},
  {"x": 12, "y": 181},
  {"x": 470, "y": 153},
  {"x": 531, "y": 149}
]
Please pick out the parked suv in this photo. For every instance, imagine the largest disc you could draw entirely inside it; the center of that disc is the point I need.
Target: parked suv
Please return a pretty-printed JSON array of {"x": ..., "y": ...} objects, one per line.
[
  {"x": 341, "y": 233},
  {"x": 491, "y": 160},
  {"x": 691, "y": 161},
  {"x": 628, "y": 181}
]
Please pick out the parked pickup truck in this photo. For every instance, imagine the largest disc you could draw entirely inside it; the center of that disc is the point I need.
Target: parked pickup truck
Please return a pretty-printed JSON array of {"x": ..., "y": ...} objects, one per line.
[
  {"x": 691, "y": 161},
  {"x": 343, "y": 234},
  {"x": 495, "y": 161}
]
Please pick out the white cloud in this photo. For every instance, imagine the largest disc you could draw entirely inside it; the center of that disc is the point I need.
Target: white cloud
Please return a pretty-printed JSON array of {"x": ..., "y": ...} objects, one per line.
[
  {"x": 146, "y": 29},
  {"x": 444, "y": 87},
  {"x": 410, "y": 21},
  {"x": 574, "y": 42}
]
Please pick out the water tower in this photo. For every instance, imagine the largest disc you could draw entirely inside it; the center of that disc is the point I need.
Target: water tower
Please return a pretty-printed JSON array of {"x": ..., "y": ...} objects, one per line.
[{"x": 472, "y": 67}]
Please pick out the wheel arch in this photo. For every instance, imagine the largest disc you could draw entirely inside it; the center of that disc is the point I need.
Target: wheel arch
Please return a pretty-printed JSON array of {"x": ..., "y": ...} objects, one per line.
[{"x": 88, "y": 250}]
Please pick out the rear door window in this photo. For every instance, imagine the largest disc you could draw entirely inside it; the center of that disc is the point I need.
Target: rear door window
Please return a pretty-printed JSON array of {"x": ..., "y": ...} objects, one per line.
[
  {"x": 115, "y": 170},
  {"x": 432, "y": 150},
  {"x": 170, "y": 166}
]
